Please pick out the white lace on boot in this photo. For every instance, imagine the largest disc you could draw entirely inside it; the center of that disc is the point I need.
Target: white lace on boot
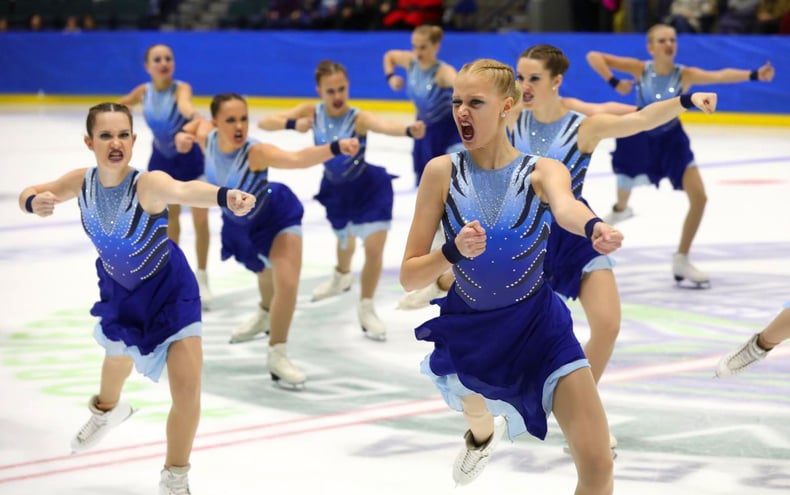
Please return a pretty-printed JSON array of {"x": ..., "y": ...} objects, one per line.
[
  {"x": 682, "y": 269},
  {"x": 205, "y": 292},
  {"x": 472, "y": 458},
  {"x": 421, "y": 298},
  {"x": 614, "y": 216},
  {"x": 258, "y": 324},
  {"x": 283, "y": 371},
  {"x": 100, "y": 423},
  {"x": 371, "y": 324},
  {"x": 741, "y": 358},
  {"x": 339, "y": 283},
  {"x": 174, "y": 481}
]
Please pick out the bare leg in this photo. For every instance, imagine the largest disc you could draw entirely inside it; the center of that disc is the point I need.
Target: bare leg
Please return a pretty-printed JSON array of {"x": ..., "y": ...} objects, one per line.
[
  {"x": 286, "y": 258},
  {"x": 173, "y": 222},
  {"x": 114, "y": 372},
  {"x": 184, "y": 365},
  {"x": 479, "y": 420},
  {"x": 776, "y": 332},
  {"x": 344, "y": 256},
  {"x": 200, "y": 222},
  {"x": 695, "y": 189},
  {"x": 623, "y": 195},
  {"x": 601, "y": 302},
  {"x": 371, "y": 270},
  {"x": 580, "y": 414}
]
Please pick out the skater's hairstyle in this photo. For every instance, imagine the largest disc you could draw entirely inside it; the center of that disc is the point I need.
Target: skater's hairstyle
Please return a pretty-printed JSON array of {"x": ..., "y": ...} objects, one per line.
[
  {"x": 552, "y": 57},
  {"x": 327, "y": 68},
  {"x": 652, "y": 31},
  {"x": 498, "y": 74},
  {"x": 433, "y": 33},
  {"x": 103, "y": 108},
  {"x": 148, "y": 50},
  {"x": 221, "y": 98}
]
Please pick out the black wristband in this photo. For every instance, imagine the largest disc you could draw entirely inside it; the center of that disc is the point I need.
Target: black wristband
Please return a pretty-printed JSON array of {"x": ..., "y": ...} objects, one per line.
[
  {"x": 590, "y": 226},
  {"x": 613, "y": 81},
  {"x": 334, "y": 146},
  {"x": 408, "y": 132},
  {"x": 222, "y": 197},
  {"x": 390, "y": 76},
  {"x": 29, "y": 203},
  {"x": 290, "y": 124},
  {"x": 685, "y": 101},
  {"x": 451, "y": 252},
  {"x": 754, "y": 75}
]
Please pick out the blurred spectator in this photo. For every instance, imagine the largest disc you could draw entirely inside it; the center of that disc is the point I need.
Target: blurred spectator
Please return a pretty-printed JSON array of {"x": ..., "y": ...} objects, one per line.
[
  {"x": 3, "y": 24},
  {"x": 737, "y": 16},
  {"x": 289, "y": 14},
  {"x": 639, "y": 15},
  {"x": 360, "y": 15},
  {"x": 326, "y": 15},
  {"x": 35, "y": 23},
  {"x": 72, "y": 24},
  {"x": 692, "y": 16},
  {"x": 593, "y": 15},
  {"x": 773, "y": 17},
  {"x": 461, "y": 17},
  {"x": 88, "y": 23},
  {"x": 408, "y": 14}
]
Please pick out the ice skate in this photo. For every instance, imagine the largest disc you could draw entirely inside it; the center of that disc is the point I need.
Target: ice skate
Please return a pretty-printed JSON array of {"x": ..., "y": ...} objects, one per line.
[
  {"x": 615, "y": 216},
  {"x": 371, "y": 324},
  {"x": 100, "y": 423},
  {"x": 174, "y": 481},
  {"x": 339, "y": 283},
  {"x": 682, "y": 269},
  {"x": 472, "y": 459},
  {"x": 205, "y": 293},
  {"x": 284, "y": 373},
  {"x": 421, "y": 298},
  {"x": 258, "y": 324},
  {"x": 741, "y": 358}
]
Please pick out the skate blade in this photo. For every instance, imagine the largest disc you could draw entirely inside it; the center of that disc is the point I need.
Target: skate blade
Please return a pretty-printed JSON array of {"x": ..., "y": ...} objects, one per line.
[
  {"x": 330, "y": 296},
  {"x": 375, "y": 338},
  {"x": 280, "y": 383},
  {"x": 683, "y": 283}
]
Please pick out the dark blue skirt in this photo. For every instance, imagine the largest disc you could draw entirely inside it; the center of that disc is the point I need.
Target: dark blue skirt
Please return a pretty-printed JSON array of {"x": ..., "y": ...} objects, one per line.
[
  {"x": 183, "y": 166},
  {"x": 365, "y": 199},
  {"x": 513, "y": 354},
  {"x": 156, "y": 309},
  {"x": 660, "y": 154}
]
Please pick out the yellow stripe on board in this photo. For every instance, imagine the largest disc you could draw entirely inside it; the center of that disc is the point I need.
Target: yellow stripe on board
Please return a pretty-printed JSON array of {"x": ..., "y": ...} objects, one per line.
[{"x": 731, "y": 118}]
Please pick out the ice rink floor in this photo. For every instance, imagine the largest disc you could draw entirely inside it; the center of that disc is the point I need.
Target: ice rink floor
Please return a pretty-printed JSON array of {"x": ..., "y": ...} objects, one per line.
[{"x": 368, "y": 422}]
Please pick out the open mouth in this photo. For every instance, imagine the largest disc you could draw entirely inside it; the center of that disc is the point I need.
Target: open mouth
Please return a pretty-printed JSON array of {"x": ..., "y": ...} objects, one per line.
[
  {"x": 338, "y": 104},
  {"x": 527, "y": 97},
  {"x": 467, "y": 131},
  {"x": 116, "y": 156},
  {"x": 238, "y": 136}
]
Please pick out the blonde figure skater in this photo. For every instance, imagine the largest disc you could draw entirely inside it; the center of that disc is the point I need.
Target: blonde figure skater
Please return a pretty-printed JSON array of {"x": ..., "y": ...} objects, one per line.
[
  {"x": 149, "y": 308},
  {"x": 504, "y": 342},
  {"x": 357, "y": 195},
  {"x": 167, "y": 107}
]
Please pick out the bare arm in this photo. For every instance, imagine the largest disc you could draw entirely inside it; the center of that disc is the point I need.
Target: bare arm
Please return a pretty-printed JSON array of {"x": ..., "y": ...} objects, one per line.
[
  {"x": 134, "y": 97},
  {"x": 184, "y": 101},
  {"x": 157, "y": 189},
  {"x": 420, "y": 266},
  {"x": 49, "y": 194},
  {"x": 367, "y": 121},
  {"x": 603, "y": 63},
  {"x": 264, "y": 155},
  {"x": 302, "y": 114},
  {"x": 445, "y": 76},
  {"x": 694, "y": 75},
  {"x": 593, "y": 129},
  {"x": 587, "y": 108},
  {"x": 396, "y": 58},
  {"x": 552, "y": 182},
  {"x": 195, "y": 130}
]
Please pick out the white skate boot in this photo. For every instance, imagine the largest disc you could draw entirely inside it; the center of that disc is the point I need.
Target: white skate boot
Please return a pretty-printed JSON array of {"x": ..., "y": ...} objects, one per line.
[
  {"x": 682, "y": 269},
  {"x": 615, "y": 216},
  {"x": 174, "y": 481},
  {"x": 472, "y": 458},
  {"x": 284, "y": 373},
  {"x": 371, "y": 324},
  {"x": 741, "y": 358},
  {"x": 100, "y": 424},
  {"x": 258, "y": 324},
  {"x": 205, "y": 292},
  {"x": 339, "y": 283},
  {"x": 421, "y": 298}
]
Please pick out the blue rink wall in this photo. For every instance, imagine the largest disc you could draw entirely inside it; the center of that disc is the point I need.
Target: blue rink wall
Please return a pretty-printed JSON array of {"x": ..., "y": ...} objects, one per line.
[{"x": 280, "y": 64}]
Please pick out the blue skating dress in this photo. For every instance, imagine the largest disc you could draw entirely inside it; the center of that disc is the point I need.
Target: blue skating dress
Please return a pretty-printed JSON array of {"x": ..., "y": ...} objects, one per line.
[
  {"x": 358, "y": 196},
  {"x": 148, "y": 294},
  {"x": 663, "y": 152},
  {"x": 249, "y": 238},
  {"x": 162, "y": 116},
  {"x": 568, "y": 256},
  {"x": 435, "y": 108},
  {"x": 502, "y": 332}
]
